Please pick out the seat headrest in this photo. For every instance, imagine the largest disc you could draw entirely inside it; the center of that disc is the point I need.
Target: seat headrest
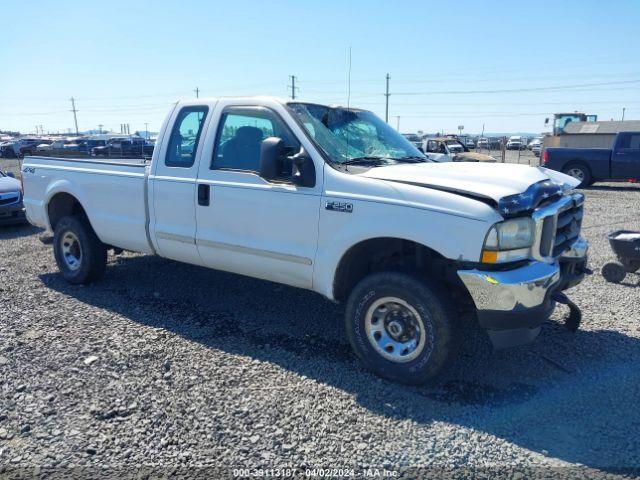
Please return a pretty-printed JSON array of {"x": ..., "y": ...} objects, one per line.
[{"x": 249, "y": 134}]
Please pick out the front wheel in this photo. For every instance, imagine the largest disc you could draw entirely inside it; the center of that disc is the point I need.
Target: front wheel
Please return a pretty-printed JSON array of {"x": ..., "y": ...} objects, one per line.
[
  {"x": 400, "y": 327},
  {"x": 79, "y": 253}
]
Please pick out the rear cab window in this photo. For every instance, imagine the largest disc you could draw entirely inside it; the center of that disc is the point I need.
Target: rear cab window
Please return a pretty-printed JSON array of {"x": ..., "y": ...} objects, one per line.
[
  {"x": 629, "y": 141},
  {"x": 185, "y": 136}
]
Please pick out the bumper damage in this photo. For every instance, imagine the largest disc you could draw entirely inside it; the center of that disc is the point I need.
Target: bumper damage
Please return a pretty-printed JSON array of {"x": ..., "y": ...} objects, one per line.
[{"x": 512, "y": 305}]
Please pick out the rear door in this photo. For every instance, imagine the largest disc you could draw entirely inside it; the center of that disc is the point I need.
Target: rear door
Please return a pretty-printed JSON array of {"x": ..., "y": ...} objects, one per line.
[
  {"x": 247, "y": 224},
  {"x": 173, "y": 185},
  {"x": 625, "y": 157}
]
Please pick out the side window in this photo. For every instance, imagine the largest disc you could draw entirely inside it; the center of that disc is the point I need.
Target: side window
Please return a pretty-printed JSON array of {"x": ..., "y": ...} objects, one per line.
[
  {"x": 185, "y": 135},
  {"x": 240, "y": 134},
  {"x": 631, "y": 141}
]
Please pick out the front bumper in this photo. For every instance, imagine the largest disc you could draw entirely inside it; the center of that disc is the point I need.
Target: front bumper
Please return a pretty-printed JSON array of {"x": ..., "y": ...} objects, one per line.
[
  {"x": 12, "y": 214},
  {"x": 511, "y": 305}
]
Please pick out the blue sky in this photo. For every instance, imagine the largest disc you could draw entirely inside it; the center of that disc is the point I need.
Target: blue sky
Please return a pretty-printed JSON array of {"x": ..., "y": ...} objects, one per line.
[{"x": 506, "y": 65}]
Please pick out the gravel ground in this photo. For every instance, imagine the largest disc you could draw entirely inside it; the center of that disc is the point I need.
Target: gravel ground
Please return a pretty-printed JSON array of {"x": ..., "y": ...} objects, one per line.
[{"x": 170, "y": 366}]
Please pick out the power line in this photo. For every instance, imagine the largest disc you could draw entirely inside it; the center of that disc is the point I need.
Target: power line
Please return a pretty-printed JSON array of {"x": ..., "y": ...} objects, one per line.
[{"x": 514, "y": 90}]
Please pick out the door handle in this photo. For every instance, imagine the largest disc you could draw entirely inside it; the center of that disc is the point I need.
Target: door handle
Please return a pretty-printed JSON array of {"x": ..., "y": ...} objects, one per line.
[{"x": 203, "y": 194}]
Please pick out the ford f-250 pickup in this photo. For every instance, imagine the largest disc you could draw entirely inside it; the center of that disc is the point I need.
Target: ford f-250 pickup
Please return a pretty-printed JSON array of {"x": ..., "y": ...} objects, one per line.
[
  {"x": 334, "y": 200},
  {"x": 590, "y": 165}
]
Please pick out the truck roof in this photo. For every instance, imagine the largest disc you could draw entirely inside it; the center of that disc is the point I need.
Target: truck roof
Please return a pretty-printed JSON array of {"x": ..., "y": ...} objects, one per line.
[{"x": 264, "y": 98}]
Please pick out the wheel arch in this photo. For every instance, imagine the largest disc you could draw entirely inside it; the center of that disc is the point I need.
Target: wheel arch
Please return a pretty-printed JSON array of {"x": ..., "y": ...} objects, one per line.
[
  {"x": 379, "y": 254},
  {"x": 62, "y": 204}
]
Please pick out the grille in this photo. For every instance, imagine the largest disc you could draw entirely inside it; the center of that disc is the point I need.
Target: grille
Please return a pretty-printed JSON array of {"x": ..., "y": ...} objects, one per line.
[
  {"x": 567, "y": 228},
  {"x": 9, "y": 198},
  {"x": 559, "y": 225}
]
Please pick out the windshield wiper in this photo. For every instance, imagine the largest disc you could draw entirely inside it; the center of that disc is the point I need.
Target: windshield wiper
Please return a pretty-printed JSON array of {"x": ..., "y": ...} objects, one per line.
[{"x": 371, "y": 160}]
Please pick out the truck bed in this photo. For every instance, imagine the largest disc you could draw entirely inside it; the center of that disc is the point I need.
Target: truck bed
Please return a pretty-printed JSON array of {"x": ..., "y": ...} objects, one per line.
[{"x": 113, "y": 193}]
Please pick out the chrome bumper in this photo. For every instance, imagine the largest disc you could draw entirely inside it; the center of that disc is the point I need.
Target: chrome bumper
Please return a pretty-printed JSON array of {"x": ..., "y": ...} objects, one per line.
[
  {"x": 513, "y": 290},
  {"x": 520, "y": 299}
]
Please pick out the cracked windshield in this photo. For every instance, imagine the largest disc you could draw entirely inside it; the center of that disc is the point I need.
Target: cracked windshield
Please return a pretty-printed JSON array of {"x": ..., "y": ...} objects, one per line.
[{"x": 350, "y": 136}]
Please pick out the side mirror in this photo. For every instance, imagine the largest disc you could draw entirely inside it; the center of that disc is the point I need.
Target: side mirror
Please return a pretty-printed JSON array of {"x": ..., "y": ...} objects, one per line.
[
  {"x": 275, "y": 164},
  {"x": 11, "y": 174},
  {"x": 303, "y": 171},
  {"x": 272, "y": 153}
]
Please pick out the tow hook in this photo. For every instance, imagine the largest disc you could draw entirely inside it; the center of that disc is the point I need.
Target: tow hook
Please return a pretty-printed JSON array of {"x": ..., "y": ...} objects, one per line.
[{"x": 572, "y": 322}]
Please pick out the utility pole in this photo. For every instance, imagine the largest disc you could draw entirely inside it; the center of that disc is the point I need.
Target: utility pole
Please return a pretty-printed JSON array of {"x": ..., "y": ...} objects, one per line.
[
  {"x": 146, "y": 130},
  {"x": 75, "y": 117},
  {"x": 623, "y": 110},
  {"x": 293, "y": 86},
  {"x": 386, "y": 110},
  {"x": 197, "y": 90},
  {"x": 100, "y": 127},
  {"x": 398, "y": 123}
]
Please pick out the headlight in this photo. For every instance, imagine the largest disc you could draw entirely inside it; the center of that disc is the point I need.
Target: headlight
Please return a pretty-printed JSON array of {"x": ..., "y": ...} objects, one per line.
[{"x": 508, "y": 241}]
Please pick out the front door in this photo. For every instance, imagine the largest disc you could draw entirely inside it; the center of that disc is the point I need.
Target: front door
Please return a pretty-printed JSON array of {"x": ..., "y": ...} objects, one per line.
[
  {"x": 625, "y": 159},
  {"x": 246, "y": 224}
]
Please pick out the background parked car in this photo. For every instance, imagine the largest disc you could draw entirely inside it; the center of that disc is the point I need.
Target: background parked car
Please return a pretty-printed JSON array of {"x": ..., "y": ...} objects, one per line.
[
  {"x": 124, "y": 147},
  {"x": 442, "y": 149},
  {"x": 516, "y": 143},
  {"x": 11, "y": 207},
  {"x": 495, "y": 143},
  {"x": 590, "y": 165},
  {"x": 536, "y": 149},
  {"x": 536, "y": 141}
]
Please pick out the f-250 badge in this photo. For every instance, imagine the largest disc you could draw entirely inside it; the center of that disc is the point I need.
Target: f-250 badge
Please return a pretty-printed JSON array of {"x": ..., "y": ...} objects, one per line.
[{"x": 339, "y": 207}]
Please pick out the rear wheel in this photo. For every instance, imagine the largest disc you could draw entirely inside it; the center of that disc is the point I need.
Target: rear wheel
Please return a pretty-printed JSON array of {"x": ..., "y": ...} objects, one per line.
[
  {"x": 400, "y": 327},
  {"x": 579, "y": 172},
  {"x": 79, "y": 253}
]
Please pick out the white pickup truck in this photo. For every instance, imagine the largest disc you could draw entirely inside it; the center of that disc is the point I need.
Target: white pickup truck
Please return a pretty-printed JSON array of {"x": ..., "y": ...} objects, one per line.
[{"x": 333, "y": 200}]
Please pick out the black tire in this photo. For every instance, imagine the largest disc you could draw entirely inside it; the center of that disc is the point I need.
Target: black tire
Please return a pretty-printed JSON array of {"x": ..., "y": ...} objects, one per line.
[
  {"x": 630, "y": 266},
  {"x": 579, "y": 172},
  {"x": 431, "y": 305},
  {"x": 614, "y": 272},
  {"x": 91, "y": 254}
]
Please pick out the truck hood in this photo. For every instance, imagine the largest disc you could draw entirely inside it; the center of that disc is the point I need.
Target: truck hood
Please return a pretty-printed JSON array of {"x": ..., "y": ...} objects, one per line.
[
  {"x": 507, "y": 186},
  {"x": 8, "y": 184}
]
